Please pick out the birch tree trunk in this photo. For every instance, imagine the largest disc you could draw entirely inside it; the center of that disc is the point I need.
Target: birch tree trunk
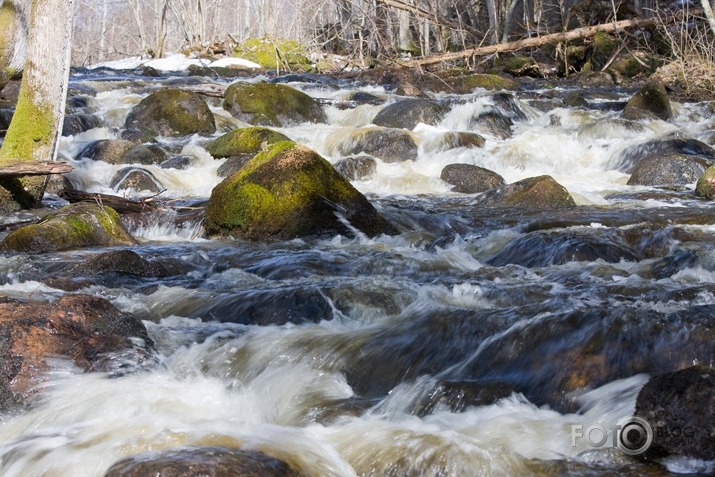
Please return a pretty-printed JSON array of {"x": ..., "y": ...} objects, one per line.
[
  {"x": 37, "y": 123},
  {"x": 708, "y": 9}
]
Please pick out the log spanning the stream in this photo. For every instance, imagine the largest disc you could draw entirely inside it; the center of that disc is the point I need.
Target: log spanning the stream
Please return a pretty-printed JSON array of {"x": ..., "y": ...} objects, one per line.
[
  {"x": 35, "y": 168},
  {"x": 121, "y": 204}
]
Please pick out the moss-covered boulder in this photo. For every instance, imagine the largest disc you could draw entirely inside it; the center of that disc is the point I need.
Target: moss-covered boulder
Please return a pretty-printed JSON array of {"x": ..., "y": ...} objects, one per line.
[
  {"x": 651, "y": 102},
  {"x": 268, "y": 104},
  {"x": 274, "y": 54},
  {"x": 470, "y": 179},
  {"x": 406, "y": 114},
  {"x": 706, "y": 184},
  {"x": 518, "y": 66},
  {"x": 602, "y": 49},
  {"x": 387, "y": 144},
  {"x": 288, "y": 191},
  {"x": 80, "y": 225},
  {"x": 464, "y": 82},
  {"x": 541, "y": 192},
  {"x": 244, "y": 141},
  {"x": 172, "y": 112}
]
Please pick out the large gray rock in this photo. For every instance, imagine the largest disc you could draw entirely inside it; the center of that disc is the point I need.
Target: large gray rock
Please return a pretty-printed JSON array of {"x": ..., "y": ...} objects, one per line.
[
  {"x": 137, "y": 180},
  {"x": 357, "y": 168},
  {"x": 202, "y": 461},
  {"x": 172, "y": 112},
  {"x": 541, "y": 192},
  {"x": 651, "y": 102},
  {"x": 387, "y": 144},
  {"x": 668, "y": 170},
  {"x": 697, "y": 151},
  {"x": 406, "y": 114},
  {"x": 470, "y": 179},
  {"x": 110, "y": 151}
]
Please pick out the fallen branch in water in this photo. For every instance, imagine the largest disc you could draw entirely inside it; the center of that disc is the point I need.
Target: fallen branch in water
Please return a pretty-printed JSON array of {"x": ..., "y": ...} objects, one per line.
[{"x": 121, "y": 204}]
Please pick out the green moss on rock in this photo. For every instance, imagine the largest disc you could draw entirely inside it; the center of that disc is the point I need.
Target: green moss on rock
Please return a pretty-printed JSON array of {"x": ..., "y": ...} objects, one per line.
[
  {"x": 651, "y": 102},
  {"x": 288, "y": 191},
  {"x": 244, "y": 141},
  {"x": 172, "y": 112},
  {"x": 467, "y": 84},
  {"x": 268, "y": 104},
  {"x": 541, "y": 192},
  {"x": 84, "y": 224},
  {"x": 706, "y": 184},
  {"x": 274, "y": 54}
]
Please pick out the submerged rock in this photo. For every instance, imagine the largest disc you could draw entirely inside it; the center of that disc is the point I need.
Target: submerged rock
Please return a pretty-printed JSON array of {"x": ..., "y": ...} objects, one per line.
[
  {"x": 387, "y": 144},
  {"x": 122, "y": 261},
  {"x": 288, "y": 191},
  {"x": 494, "y": 123},
  {"x": 680, "y": 407},
  {"x": 541, "y": 192},
  {"x": 267, "y": 104},
  {"x": 147, "y": 155},
  {"x": 668, "y": 170},
  {"x": 651, "y": 102},
  {"x": 406, "y": 114},
  {"x": 357, "y": 168},
  {"x": 453, "y": 140},
  {"x": 684, "y": 152},
  {"x": 79, "y": 122},
  {"x": 81, "y": 328},
  {"x": 202, "y": 461},
  {"x": 470, "y": 179},
  {"x": 172, "y": 112},
  {"x": 79, "y": 225}
]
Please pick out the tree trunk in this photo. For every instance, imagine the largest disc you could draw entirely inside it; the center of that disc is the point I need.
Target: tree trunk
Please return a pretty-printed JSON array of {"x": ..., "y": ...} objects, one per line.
[
  {"x": 708, "y": 9},
  {"x": 37, "y": 123},
  {"x": 13, "y": 35}
]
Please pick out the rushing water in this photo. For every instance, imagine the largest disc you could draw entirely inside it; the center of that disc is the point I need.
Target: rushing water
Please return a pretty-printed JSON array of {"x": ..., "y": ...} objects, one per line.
[{"x": 471, "y": 343}]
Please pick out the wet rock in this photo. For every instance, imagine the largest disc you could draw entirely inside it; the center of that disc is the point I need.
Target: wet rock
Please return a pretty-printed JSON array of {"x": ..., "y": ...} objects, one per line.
[
  {"x": 651, "y": 102},
  {"x": 233, "y": 165},
  {"x": 519, "y": 66},
  {"x": 611, "y": 128},
  {"x": 541, "y": 249},
  {"x": 177, "y": 162},
  {"x": 492, "y": 123},
  {"x": 288, "y": 191},
  {"x": 706, "y": 184},
  {"x": 358, "y": 168},
  {"x": 267, "y": 104},
  {"x": 147, "y": 155},
  {"x": 699, "y": 152},
  {"x": 136, "y": 136},
  {"x": 454, "y": 139},
  {"x": 244, "y": 141},
  {"x": 507, "y": 104},
  {"x": 575, "y": 99},
  {"x": 470, "y": 179},
  {"x": 5, "y": 118},
  {"x": 10, "y": 92},
  {"x": 202, "y": 461},
  {"x": 668, "y": 170},
  {"x": 172, "y": 112},
  {"x": 77, "y": 123},
  {"x": 680, "y": 407},
  {"x": 467, "y": 83},
  {"x": 273, "y": 53},
  {"x": 361, "y": 97},
  {"x": 406, "y": 114},
  {"x": 459, "y": 395},
  {"x": 110, "y": 151},
  {"x": 389, "y": 145},
  {"x": 81, "y": 328},
  {"x": 122, "y": 261},
  {"x": 151, "y": 72},
  {"x": 137, "y": 180},
  {"x": 541, "y": 192},
  {"x": 79, "y": 225}
]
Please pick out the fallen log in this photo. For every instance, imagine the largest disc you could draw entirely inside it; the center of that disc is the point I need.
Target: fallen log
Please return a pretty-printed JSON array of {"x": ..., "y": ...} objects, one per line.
[
  {"x": 121, "y": 204},
  {"x": 34, "y": 168},
  {"x": 578, "y": 33}
]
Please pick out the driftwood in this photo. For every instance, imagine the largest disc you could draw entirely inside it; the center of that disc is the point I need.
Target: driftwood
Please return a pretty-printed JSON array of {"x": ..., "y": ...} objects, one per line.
[
  {"x": 120, "y": 204},
  {"x": 578, "y": 33},
  {"x": 34, "y": 168}
]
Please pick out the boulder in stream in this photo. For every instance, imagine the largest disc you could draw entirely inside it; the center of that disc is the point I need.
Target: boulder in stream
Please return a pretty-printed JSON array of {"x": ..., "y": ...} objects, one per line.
[
  {"x": 668, "y": 170},
  {"x": 136, "y": 179},
  {"x": 208, "y": 461},
  {"x": 79, "y": 328},
  {"x": 288, "y": 191},
  {"x": 454, "y": 139},
  {"x": 244, "y": 141},
  {"x": 680, "y": 408},
  {"x": 470, "y": 179},
  {"x": 386, "y": 144},
  {"x": 122, "y": 261},
  {"x": 406, "y": 114},
  {"x": 110, "y": 151},
  {"x": 651, "y": 102},
  {"x": 172, "y": 112},
  {"x": 358, "y": 168},
  {"x": 541, "y": 192},
  {"x": 79, "y": 225},
  {"x": 706, "y": 184},
  {"x": 267, "y": 104}
]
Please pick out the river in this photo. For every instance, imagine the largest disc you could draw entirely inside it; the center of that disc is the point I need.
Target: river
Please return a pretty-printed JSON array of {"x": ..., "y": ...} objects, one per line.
[{"x": 477, "y": 341}]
